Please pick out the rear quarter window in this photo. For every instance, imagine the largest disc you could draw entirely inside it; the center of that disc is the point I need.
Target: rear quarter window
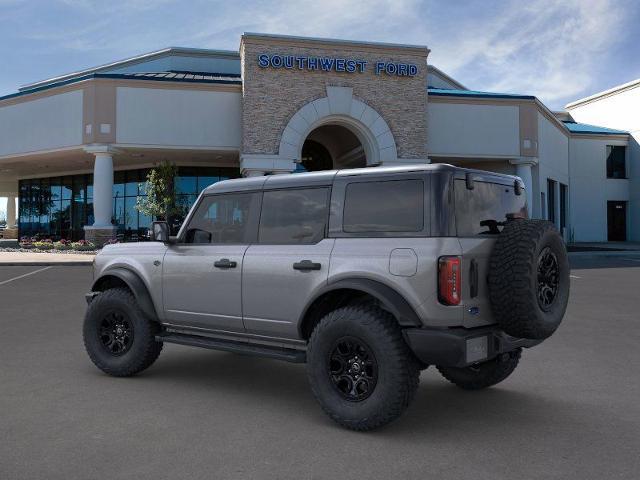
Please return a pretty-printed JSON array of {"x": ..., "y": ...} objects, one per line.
[
  {"x": 385, "y": 206},
  {"x": 483, "y": 210}
]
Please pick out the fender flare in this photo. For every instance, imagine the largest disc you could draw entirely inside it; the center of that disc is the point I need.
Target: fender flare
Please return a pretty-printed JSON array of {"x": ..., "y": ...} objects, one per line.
[
  {"x": 390, "y": 299},
  {"x": 135, "y": 284}
]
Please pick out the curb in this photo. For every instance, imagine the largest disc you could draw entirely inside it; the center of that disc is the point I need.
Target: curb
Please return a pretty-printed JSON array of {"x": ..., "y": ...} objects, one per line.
[{"x": 608, "y": 253}]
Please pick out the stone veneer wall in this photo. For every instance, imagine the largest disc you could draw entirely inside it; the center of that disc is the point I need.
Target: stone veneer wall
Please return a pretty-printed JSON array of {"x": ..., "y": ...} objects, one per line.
[{"x": 272, "y": 96}]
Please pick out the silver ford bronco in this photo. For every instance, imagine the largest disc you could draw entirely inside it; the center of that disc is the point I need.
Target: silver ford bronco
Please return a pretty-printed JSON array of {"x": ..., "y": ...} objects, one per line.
[{"x": 366, "y": 275}]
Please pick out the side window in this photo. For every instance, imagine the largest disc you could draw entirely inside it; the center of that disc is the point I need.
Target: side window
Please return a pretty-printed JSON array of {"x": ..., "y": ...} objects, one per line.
[
  {"x": 388, "y": 206},
  {"x": 296, "y": 216},
  {"x": 222, "y": 219},
  {"x": 616, "y": 167}
]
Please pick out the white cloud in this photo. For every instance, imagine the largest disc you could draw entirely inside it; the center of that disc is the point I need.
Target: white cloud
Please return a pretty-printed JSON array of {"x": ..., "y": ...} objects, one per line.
[{"x": 548, "y": 48}]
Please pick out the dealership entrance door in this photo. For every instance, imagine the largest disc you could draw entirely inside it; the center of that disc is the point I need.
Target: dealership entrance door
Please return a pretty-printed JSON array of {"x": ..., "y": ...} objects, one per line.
[
  {"x": 617, "y": 221},
  {"x": 331, "y": 147}
]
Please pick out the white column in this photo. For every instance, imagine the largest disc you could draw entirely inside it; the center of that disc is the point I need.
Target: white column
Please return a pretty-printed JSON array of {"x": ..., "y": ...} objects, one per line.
[
  {"x": 523, "y": 170},
  {"x": 102, "y": 229},
  {"x": 102, "y": 189},
  {"x": 11, "y": 212}
]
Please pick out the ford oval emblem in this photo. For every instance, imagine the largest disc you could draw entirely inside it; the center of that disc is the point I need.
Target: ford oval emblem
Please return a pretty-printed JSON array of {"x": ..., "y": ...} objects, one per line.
[{"x": 474, "y": 311}]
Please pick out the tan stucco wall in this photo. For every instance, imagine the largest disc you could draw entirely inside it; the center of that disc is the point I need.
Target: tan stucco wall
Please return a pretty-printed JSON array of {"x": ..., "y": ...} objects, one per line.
[{"x": 272, "y": 96}]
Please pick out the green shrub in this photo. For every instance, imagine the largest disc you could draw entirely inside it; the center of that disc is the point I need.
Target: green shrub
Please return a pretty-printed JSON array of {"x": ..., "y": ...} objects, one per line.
[
  {"x": 62, "y": 245},
  {"x": 83, "y": 246}
]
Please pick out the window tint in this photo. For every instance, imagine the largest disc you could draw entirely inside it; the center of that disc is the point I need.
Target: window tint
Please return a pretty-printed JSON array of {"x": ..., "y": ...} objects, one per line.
[
  {"x": 391, "y": 206},
  {"x": 222, "y": 219},
  {"x": 616, "y": 162},
  {"x": 484, "y": 209},
  {"x": 294, "y": 216}
]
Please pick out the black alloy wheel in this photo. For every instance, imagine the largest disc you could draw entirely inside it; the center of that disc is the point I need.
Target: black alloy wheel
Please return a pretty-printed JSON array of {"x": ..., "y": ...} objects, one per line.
[
  {"x": 548, "y": 278},
  {"x": 119, "y": 338},
  {"x": 353, "y": 369},
  {"x": 116, "y": 333},
  {"x": 360, "y": 369}
]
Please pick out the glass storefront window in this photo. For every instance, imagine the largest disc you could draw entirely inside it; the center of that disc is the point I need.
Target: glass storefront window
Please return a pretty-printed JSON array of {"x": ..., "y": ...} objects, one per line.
[
  {"x": 204, "y": 182},
  {"x": 56, "y": 189},
  {"x": 186, "y": 184},
  {"x": 118, "y": 184},
  {"x": 59, "y": 207},
  {"x": 89, "y": 186},
  {"x": 66, "y": 188}
]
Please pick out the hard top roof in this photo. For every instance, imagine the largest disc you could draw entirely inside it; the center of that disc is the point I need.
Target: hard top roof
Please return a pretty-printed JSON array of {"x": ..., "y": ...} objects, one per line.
[{"x": 326, "y": 177}]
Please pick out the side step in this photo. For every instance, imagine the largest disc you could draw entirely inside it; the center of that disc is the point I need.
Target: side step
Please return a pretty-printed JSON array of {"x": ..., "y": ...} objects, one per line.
[{"x": 278, "y": 353}]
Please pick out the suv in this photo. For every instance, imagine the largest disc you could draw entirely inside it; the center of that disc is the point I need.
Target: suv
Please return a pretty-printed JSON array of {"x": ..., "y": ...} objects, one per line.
[{"x": 367, "y": 275}]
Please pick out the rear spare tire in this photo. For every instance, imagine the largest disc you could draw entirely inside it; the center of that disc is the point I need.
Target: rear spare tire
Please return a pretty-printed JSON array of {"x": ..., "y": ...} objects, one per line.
[{"x": 529, "y": 279}]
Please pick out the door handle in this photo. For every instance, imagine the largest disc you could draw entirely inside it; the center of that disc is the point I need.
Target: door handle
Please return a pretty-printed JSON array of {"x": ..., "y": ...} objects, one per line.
[
  {"x": 225, "y": 263},
  {"x": 306, "y": 265}
]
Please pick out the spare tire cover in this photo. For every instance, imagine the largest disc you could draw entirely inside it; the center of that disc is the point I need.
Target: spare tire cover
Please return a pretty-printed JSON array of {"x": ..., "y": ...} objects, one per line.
[{"x": 529, "y": 279}]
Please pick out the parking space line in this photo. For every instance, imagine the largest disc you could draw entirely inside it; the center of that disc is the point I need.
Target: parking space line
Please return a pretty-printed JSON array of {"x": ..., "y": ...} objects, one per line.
[
  {"x": 574, "y": 276},
  {"x": 25, "y": 275}
]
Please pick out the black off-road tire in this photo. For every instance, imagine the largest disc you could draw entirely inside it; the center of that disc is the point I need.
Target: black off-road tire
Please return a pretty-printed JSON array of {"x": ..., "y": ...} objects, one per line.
[
  {"x": 142, "y": 350},
  {"x": 398, "y": 371},
  {"x": 521, "y": 253},
  {"x": 484, "y": 374}
]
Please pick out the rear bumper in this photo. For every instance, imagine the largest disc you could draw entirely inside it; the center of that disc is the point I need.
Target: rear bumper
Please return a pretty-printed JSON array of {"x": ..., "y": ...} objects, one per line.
[{"x": 461, "y": 347}]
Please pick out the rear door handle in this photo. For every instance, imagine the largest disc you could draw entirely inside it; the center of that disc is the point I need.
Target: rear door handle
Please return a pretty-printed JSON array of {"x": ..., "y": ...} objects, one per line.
[
  {"x": 225, "y": 263},
  {"x": 306, "y": 265}
]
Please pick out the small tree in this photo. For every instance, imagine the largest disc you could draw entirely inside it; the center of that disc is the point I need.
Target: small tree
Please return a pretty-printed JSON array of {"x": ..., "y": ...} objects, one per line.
[{"x": 160, "y": 201}]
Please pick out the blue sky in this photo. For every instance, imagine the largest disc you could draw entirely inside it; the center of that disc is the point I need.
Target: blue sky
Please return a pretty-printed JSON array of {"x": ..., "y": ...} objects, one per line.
[{"x": 557, "y": 50}]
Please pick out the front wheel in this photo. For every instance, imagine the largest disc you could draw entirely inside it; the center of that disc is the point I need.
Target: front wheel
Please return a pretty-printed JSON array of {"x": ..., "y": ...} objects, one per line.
[
  {"x": 360, "y": 369},
  {"x": 483, "y": 375},
  {"x": 118, "y": 337}
]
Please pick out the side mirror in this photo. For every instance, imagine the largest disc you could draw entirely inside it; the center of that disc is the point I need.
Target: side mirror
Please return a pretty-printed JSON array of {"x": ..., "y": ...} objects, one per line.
[{"x": 159, "y": 232}]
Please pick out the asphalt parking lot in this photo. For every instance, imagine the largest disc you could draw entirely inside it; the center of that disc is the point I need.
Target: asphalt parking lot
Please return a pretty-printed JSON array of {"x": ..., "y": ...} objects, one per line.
[{"x": 571, "y": 410}]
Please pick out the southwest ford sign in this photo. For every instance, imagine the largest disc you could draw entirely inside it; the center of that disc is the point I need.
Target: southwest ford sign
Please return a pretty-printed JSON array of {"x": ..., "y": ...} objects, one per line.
[{"x": 334, "y": 64}]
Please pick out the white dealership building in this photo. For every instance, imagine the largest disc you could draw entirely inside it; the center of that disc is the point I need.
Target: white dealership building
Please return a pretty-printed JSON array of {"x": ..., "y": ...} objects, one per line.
[{"x": 75, "y": 148}]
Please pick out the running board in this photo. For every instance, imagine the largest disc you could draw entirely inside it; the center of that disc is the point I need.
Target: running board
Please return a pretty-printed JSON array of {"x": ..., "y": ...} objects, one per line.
[{"x": 278, "y": 353}]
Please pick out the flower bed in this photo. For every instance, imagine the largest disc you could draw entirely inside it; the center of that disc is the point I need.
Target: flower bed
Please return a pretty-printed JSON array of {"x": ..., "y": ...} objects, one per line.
[{"x": 46, "y": 245}]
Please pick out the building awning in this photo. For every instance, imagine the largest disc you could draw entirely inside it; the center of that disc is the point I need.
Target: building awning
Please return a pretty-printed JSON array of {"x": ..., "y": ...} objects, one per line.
[
  {"x": 477, "y": 94},
  {"x": 171, "y": 76},
  {"x": 585, "y": 128}
]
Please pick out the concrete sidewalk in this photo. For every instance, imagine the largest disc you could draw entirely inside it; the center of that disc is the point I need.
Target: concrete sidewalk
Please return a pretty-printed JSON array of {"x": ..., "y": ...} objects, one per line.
[
  {"x": 604, "y": 246},
  {"x": 44, "y": 259}
]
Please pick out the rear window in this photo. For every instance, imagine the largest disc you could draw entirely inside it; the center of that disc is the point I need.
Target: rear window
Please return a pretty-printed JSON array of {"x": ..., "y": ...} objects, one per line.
[
  {"x": 483, "y": 210},
  {"x": 390, "y": 206}
]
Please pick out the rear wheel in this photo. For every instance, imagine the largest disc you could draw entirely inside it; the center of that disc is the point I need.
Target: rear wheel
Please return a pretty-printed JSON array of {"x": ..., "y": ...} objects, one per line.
[
  {"x": 118, "y": 337},
  {"x": 361, "y": 371},
  {"x": 483, "y": 375}
]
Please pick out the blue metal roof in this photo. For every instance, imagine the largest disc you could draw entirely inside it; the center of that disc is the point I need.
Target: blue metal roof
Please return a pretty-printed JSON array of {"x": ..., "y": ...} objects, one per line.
[
  {"x": 585, "y": 128},
  {"x": 444, "y": 92},
  {"x": 188, "y": 77}
]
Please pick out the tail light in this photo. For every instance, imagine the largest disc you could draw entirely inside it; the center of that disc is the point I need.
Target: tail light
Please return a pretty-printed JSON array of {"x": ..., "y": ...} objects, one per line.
[{"x": 449, "y": 279}]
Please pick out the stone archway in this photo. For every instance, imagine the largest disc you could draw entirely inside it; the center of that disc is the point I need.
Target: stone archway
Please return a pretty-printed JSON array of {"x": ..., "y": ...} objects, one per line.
[{"x": 340, "y": 108}]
